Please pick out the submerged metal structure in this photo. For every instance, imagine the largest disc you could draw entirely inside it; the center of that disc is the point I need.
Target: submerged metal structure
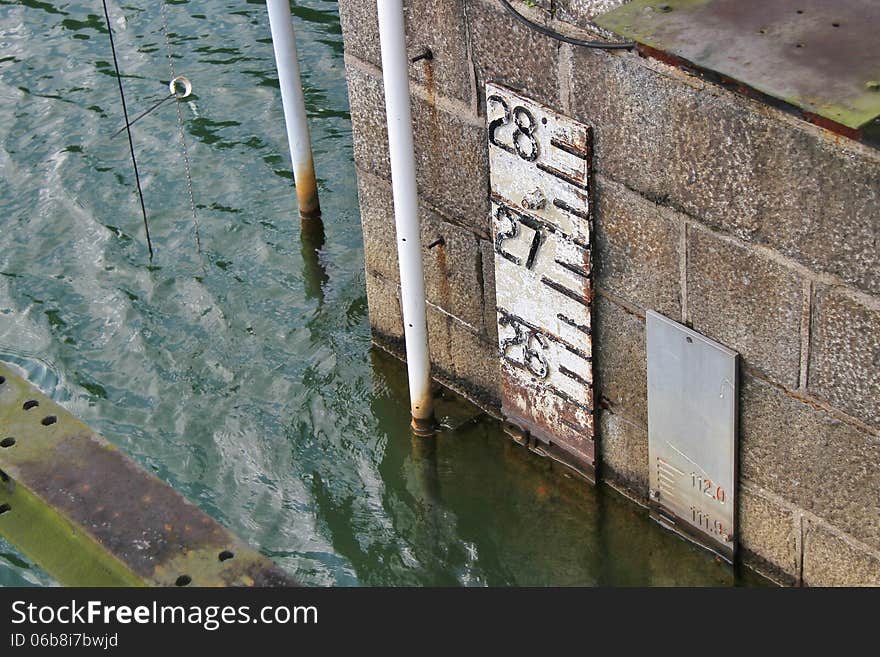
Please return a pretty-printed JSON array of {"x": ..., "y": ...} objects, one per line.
[{"x": 90, "y": 516}]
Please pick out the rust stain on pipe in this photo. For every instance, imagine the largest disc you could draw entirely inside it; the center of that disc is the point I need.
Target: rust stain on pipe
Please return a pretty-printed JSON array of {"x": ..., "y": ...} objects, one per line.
[{"x": 307, "y": 191}]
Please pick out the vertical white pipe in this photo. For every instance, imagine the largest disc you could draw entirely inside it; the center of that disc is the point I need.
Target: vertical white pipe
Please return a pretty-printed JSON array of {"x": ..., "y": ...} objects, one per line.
[
  {"x": 395, "y": 73},
  {"x": 284, "y": 44}
]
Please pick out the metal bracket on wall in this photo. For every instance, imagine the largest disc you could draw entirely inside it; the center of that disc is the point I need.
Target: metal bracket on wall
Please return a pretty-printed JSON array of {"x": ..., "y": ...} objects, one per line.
[
  {"x": 90, "y": 516},
  {"x": 539, "y": 169},
  {"x": 692, "y": 422}
]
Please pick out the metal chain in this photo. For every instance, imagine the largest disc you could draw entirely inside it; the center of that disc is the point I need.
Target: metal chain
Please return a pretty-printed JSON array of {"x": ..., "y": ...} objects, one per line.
[{"x": 182, "y": 132}]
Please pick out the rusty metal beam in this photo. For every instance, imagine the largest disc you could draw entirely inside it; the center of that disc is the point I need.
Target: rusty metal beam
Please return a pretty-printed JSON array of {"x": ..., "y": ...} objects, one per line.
[{"x": 90, "y": 516}]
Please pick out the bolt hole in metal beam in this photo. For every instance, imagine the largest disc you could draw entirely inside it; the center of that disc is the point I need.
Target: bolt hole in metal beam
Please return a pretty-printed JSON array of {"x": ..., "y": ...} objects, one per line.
[
  {"x": 48, "y": 420},
  {"x": 4, "y": 508},
  {"x": 225, "y": 555},
  {"x": 29, "y": 404},
  {"x": 183, "y": 580},
  {"x": 7, "y": 442}
]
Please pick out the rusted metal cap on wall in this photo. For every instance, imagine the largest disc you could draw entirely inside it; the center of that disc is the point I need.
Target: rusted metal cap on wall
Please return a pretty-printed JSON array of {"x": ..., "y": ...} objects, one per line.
[{"x": 822, "y": 57}]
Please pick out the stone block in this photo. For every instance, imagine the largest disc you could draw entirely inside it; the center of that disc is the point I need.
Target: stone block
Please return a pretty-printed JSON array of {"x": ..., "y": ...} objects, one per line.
[
  {"x": 733, "y": 163},
  {"x": 811, "y": 459},
  {"x": 830, "y": 560},
  {"x": 459, "y": 356},
  {"x": 747, "y": 303},
  {"x": 360, "y": 30},
  {"x": 619, "y": 361},
  {"x": 452, "y": 164},
  {"x": 463, "y": 358},
  {"x": 386, "y": 318},
  {"x": 377, "y": 222},
  {"x": 509, "y": 53},
  {"x": 452, "y": 269},
  {"x": 768, "y": 536},
  {"x": 623, "y": 450},
  {"x": 366, "y": 99},
  {"x": 845, "y": 353},
  {"x": 438, "y": 25},
  {"x": 637, "y": 250}
]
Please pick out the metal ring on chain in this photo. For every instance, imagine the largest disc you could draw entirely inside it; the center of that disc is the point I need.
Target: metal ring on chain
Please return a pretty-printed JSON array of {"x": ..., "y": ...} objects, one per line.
[{"x": 175, "y": 89}]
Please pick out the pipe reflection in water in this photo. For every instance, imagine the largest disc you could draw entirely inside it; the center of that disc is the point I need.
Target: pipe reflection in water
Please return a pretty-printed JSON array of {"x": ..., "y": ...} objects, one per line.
[
  {"x": 314, "y": 272},
  {"x": 424, "y": 485},
  {"x": 424, "y": 470}
]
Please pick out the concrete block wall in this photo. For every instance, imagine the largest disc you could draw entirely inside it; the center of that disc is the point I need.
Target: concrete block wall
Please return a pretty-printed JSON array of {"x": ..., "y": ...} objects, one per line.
[{"x": 756, "y": 229}]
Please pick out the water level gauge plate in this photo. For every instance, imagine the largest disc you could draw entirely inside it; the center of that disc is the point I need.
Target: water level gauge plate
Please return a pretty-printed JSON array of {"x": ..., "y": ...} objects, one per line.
[
  {"x": 692, "y": 408},
  {"x": 539, "y": 168}
]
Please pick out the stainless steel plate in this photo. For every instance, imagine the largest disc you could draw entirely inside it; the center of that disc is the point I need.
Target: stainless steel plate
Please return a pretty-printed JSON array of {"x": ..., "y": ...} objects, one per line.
[{"x": 692, "y": 409}]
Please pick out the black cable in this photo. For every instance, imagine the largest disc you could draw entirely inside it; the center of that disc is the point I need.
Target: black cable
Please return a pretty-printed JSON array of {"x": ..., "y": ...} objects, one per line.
[
  {"x": 128, "y": 128},
  {"x": 143, "y": 114},
  {"x": 553, "y": 34}
]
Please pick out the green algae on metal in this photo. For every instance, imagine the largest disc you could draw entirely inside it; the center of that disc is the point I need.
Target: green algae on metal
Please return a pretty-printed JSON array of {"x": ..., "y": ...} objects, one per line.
[
  {"x": 58, "y": 546},
  {"x": 89, "y": 515}
]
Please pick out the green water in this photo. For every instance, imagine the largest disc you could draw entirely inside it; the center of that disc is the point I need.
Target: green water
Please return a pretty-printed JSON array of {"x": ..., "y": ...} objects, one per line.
[{"x": 243, "y": 375}]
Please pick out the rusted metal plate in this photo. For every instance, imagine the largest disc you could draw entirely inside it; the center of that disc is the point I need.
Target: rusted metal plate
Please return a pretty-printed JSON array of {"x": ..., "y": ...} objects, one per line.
[
  {"x": 90, "y": 516},
  {"x": 692, "y": 409},
  {"x": 818, "y": 55},
  {"x": 539, "y": 163}
]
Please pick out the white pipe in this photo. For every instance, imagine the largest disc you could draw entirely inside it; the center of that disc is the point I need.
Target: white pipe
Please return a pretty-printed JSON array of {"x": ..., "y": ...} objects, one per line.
[
  {"x": 395, "y": 64},
  {"x": 284, "y": 44}
]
